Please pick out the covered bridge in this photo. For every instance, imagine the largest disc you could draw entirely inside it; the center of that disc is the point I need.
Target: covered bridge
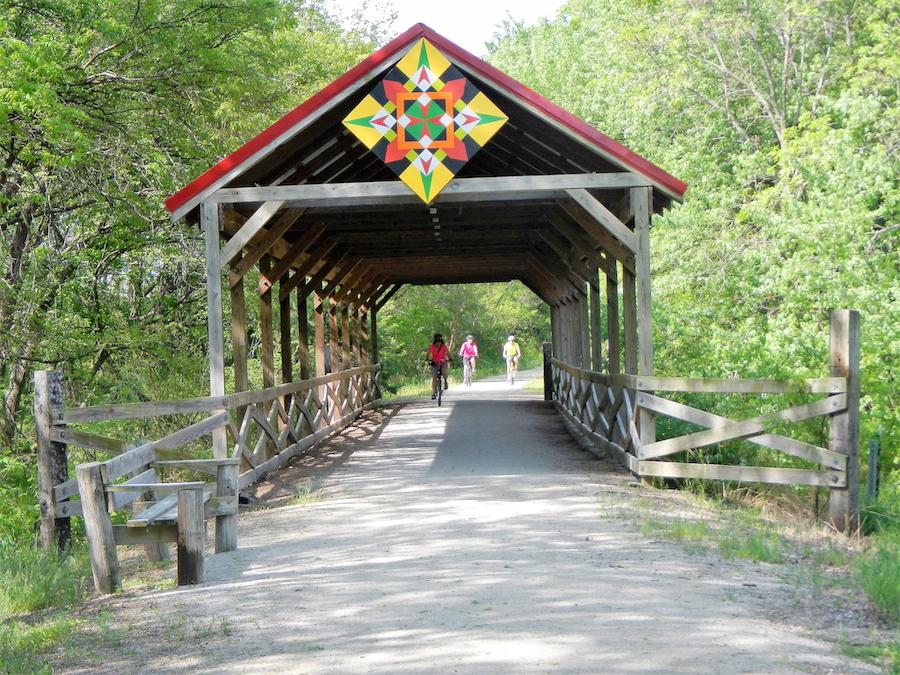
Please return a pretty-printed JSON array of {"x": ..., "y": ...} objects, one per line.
[{"x": 495, "y": 183}]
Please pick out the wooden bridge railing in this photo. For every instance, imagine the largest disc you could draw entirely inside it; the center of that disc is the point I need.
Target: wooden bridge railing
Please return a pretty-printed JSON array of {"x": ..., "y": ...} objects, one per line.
[
  {"x": 267, "y": 428},
  {"x": 604, "y": 410}
]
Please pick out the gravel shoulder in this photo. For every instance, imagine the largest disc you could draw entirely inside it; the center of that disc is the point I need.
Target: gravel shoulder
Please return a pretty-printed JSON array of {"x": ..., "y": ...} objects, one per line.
[{"x": 472, "y": 538}]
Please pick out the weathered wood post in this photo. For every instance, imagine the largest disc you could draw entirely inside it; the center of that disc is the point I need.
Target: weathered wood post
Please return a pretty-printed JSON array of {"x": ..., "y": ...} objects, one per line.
[
  {"x": 548, "y": 371},
  {"x": 191, "y": 537},
  {"x": 373, "y": 336},
  {"x": 302, "y": 336},
  {"x": 226, "y": 487},
  {"x": 642, "y": 206},
  {"x": 843, "y": 428},
  {"x": 98, "y": 527},
  {"x": 53, "y": 465},
  {"x": 612, "y": 319},
  {"x": 209, "y": 219}
]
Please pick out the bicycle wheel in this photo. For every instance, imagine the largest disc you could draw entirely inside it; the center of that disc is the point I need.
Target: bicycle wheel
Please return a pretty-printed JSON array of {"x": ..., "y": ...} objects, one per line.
[
  {"x": 467, "y": 373},
  {"x": 440, "y": 388},
  {"x": 510, "y": 372}
]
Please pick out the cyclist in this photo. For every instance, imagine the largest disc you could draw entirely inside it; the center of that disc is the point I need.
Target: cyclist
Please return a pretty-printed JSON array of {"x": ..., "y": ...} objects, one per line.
[
  {"x": 512, "y": 353},
  {"x": 438, "y": 356},
  {"x": 469, "y": 352}
]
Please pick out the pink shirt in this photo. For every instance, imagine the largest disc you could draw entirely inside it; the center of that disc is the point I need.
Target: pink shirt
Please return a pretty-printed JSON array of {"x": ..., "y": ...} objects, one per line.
[{"x": 468, "y": 350}]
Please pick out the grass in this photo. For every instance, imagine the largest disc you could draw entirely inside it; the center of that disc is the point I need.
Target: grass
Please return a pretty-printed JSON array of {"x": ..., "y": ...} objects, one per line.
[
  {"x": 878, "y": 572},
  {"x": 34, "y": 579},
  {"x": 693, "y": 535},
  {"x": 306, "y": 496},
  {"x": 22, "y": 643},
  {"x": 884, "y": 654}
]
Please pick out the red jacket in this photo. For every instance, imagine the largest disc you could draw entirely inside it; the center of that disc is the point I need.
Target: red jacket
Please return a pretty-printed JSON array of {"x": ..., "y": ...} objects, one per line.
[{"x": 438, "y": 354}]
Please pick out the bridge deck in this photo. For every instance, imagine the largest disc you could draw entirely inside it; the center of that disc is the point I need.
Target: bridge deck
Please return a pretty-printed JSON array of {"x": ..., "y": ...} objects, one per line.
[{"x": 472, "y": 538}]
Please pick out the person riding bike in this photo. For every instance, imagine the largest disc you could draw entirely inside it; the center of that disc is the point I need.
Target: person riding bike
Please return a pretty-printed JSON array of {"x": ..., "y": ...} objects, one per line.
[
  {"x": 439, "y": 357},
  {"x": 512, "y": 353},
  {"x": 469, "y": 352}
]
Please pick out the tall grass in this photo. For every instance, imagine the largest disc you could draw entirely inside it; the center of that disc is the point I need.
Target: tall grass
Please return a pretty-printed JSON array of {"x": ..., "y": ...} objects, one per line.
[
  {"x": 34, "y": 579},
  {"x": 878, "y": 572}
]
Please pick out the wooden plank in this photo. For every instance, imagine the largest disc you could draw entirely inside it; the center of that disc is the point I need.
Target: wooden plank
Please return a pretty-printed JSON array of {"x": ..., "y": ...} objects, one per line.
[
  {"x": 642, "y": 206},
  {"x": 248, "y": 230},
  {"x": 53, "y": 467},
  {"x": 98, "y": 528},
  {"x": 629, "y": 322},
  {"x": 303, "y": 336},
  {"x": 159, "y": 487},
  {"x": 740, "y": 430},
  {"x": 122, "y": 496},
  {"x": 612, "y": 321},
  {"x": 155, "y": 512},
  {"x": 142, "y": 455},
  {"x": 225, "y": 507},
  {"x": 239, "y": 335},
  {"x": 267, "y": 280},
  {"x": 790, "y": 446},
  {"x": 159, "y": 533},
  {"x": 285, "y": 339},
  {"x": 196, "y": 464},
  {"x": 263, "y": 244},
  {"x": 132, "y": 411},
  {"x": 745, "y": 474},
  {"x": 574, "y": 234},
  {"x": 191, "y": 566},
  {"x": 460, "y": 189},
  {"x": 267, "y": 336},
  {"x": 843, "y": 427},
  {"x": 604, "y": 217},
  {"x": 86, "y": 439},
  {"x": 209, "y": 220},
  {"x": 314, "y": 259},
  {"x": 599, "y": 235},
  {"x": 820, "y": 385}
]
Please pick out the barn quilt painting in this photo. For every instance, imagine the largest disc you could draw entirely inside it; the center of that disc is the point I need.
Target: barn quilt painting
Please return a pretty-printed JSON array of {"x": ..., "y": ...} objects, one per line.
[{"x": 425, "y": 120}]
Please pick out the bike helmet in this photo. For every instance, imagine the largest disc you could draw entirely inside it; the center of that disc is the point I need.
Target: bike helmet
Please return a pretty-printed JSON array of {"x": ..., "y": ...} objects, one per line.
[
  {"x": 511, "y": 338},
  {"x": 470, "y": 337}
]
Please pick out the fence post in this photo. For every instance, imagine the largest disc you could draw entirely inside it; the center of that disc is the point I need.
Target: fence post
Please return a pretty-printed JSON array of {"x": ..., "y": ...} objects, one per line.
[
  {"x": 226, "y": 526},
  {"x": 872, "y": 480},
  {"x": 53, "y": 463},
  {"x": 843, "y": 431},
  {"x": 191, "y": 537},
  {"x": 548, "y": 372},
  {"x": 98, "y": 527}
]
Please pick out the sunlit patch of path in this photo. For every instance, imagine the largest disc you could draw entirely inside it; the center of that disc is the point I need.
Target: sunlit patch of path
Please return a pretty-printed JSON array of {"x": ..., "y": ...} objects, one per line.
[{"x": 470, "y": 538}]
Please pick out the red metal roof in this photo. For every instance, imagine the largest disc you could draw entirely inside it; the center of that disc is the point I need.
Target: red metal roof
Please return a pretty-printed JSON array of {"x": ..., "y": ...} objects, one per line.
[{"x": 603, "y": 143}]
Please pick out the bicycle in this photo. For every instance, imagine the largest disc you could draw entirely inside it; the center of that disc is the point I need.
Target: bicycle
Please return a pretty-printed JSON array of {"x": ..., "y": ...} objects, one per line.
[
  {"x": 468, "y": 372},
  {"x": 512, "y": 366},
  {"x": 441, "y": 380}
]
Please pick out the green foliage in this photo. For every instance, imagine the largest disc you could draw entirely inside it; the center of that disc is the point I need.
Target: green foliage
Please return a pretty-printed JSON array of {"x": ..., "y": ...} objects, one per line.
[
  {"x": 691, "y": 534},
  {"x": 21, "y": 643},
  {"x": 19, "y": 511},
  {"x": 878, "y": 572},
  {"x": 490, "y": 312},
  {"x": 34, "y": 579},
  {"x": 789, "y": 148}
]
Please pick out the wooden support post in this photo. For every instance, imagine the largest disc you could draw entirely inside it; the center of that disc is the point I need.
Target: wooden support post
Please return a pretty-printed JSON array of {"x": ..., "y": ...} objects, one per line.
[
  {"x": 286, "y": 343},
  {"x": 226, "y": 526},
  {"x": 358, "y": 321},
  {"x": 346, "y": 342},
  {"x": 373, "y": 338},
  {"x": 302, "y": 337},
  {"x": 98, "y": 527},
  {"x": 642, "y": 207},
  {"x": 191, "y": 537},
  {"x": 548, "y": 372},
  {"x": 554, "y": 329},
  {"x": 333, "y": 339},
  {"x": 612, "y": 322},
  {"x": 209, "y": 220},
  {"x": 239, "y": 333},
  {"x": 267, "y": 337},
  {"x": 53, "y": 465},
  {"x": 364, "y": 337},
  {"x": 584, "y": 330},
  {"x": 843, "y": 427},
  {"x": 629, "y": 321},
  {"x": 596, "y": 337},
  {"x": 319, "y": 319}
]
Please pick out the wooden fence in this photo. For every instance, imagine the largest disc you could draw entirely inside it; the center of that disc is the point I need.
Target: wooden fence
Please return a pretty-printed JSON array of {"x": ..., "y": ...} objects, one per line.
[
  {"x": 604, "y": 409},
  {"x": 267, "y": 428}
]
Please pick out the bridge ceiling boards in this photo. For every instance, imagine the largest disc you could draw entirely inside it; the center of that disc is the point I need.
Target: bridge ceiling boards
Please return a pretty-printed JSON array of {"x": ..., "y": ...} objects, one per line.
[{"x": 424, "y": 164}]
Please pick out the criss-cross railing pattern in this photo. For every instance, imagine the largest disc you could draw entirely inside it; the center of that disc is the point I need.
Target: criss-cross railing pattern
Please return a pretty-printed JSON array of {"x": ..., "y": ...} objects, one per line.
[{"x": 604, "y": 408}]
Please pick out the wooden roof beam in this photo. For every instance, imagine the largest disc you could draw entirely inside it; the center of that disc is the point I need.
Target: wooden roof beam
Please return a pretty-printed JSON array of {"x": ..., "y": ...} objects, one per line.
[{"x": 293, "y": 254}]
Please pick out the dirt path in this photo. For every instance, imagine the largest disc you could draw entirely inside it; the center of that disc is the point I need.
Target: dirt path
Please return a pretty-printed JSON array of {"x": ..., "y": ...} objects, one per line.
[{"x": 474, "y": 538}]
